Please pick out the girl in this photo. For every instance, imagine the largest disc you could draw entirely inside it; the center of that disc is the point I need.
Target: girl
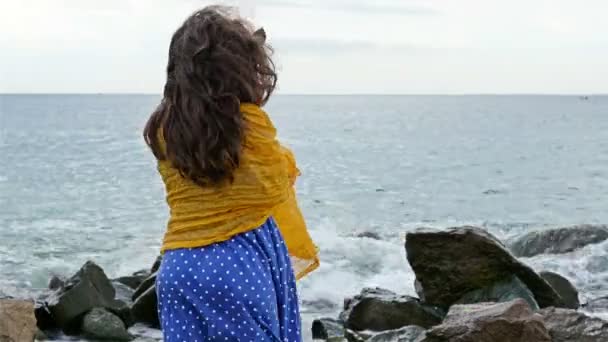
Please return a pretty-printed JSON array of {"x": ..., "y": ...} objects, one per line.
[{"x": 236, "y": 240}]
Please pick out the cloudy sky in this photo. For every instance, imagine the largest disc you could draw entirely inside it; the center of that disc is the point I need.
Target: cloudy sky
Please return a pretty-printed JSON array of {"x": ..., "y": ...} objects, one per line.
[{"x": 322, "y": 46}]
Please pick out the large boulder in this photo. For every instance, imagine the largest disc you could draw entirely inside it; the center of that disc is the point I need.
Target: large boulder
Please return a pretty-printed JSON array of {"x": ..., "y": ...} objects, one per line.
[
  {"x": 489, "y": 322},
  {"x": 17, "y": 320},
  {"x": 406, "y": 334},
  {"x": 450, "y": 263},
  {"x": 599, "y": 304},
  {"x": 100, "y": 324},
  {"x": 502, "y": 291},
  {"x": 569, "y": 325},
  {"x": 135, "y": 280},
  {"x": 326, "y": 328},
  {"x": 564, "y": 288},
  {"x": 89, "y": 288},
  {"x": 145, "y": 308},
  {"x": 380, "y": 310},
  {"x": 559, "y": 240}
]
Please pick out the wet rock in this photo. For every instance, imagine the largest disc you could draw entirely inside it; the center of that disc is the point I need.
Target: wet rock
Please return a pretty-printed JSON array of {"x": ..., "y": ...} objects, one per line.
[
  {"x": 597, "y": 305},
  {"x": 450, "y": 263},
  {"x": 56, "y": 283},
  {"x": 320, "y": 305},
  {"x": 144, "y": 286},
  {"x": 17, "y": 320},
  {"x": 564, "y": 288},
  {"x": 144, "y": 309},
  {"x": 560, "y": 240},
  {"x": 405, "y": 334},
  {"x": 133, "y": 281},
  {"x": 102, "y": 325},
  {"x": 325, "y": 328},
  {"x": 502, "y": 291},
  {"x": 380, "y": 310},
  {"x": 369, "y": 235},
  {"x": 89, "y": 288},
  {"x": 156, "y": 265},
  {"x": 357, "y": 336},
  {"x": 40, "y": 336},
  {"x": 506, "y": 322},
  {"x": 123, "y": 292},
  {"x": 569, "y": 325}
]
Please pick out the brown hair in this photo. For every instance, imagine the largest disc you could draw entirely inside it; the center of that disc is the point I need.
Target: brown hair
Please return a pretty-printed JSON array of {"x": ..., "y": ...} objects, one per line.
[{"x": 216, "y": 62}]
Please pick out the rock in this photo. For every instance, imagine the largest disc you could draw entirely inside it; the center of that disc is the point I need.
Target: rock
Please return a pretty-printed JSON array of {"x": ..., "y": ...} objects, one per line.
[
  {"x": 56, "y": 283},
  {"x": 356, "y": 336},
  {"x": 144, "y": 309},
  {"x": 560, "y": 240},
  {"x": 103, "y": 325},
  {"x": 40, "y": 336},
  {"x": 336, "y": 339},
  {"x": 123, "y": 311},
  {"x": 325, "y": 328},
  {"x": 502, "y": 291},
  {"x": 488, "y": 322},
  {"x": 89, "y": 288},
  {"x": 597, "y": 305},
  {"x": 123, "y": 292},
  {"x": 405, "y": 334},
  {"x": 44, "y": 319},
  {"x": 156, "y": 264},
  {"x": 319, "y": 305},
  {"x": 17, "y": 320},
  {"x": 564, "y": 288},
  {"x": 450, "y": 263},
  {"x": 380, "y": 310},
  {"x": 569, "y": 325},
  {"x": 369, "y": 235},
  {"x": 145, "y": 285},
  {"x": 133, "y": 281}
]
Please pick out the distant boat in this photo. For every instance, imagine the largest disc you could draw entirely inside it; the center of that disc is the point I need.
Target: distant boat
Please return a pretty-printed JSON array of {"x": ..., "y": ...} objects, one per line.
[{"x": 584, "y": 98}]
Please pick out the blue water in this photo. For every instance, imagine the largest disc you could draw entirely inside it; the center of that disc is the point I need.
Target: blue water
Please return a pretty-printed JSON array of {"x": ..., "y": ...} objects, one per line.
[{"x": 77, "y": 182}]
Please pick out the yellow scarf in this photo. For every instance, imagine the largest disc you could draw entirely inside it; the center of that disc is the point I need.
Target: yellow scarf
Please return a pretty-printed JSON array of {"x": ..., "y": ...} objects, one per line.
[{"x": 262, "y": 187}]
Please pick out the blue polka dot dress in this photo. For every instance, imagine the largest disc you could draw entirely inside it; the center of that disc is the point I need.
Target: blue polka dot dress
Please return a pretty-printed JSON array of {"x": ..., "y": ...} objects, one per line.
[{"x": 242, "y": 289}]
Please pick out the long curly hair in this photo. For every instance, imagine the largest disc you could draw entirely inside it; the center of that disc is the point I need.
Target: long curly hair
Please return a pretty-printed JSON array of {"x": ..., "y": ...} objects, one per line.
[{"x": 216, "y": 62}]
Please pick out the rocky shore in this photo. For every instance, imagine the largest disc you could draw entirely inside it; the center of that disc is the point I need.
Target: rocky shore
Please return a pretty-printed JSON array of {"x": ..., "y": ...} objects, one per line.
[{"x": 470, "y": 287}]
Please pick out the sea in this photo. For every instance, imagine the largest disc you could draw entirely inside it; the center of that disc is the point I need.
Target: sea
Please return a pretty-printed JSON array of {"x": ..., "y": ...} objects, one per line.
[{"x": 78, "y": 183}]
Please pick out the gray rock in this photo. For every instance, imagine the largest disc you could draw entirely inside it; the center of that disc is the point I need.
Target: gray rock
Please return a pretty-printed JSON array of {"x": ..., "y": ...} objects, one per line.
[
  {"x": 156, "y": 265},
  {"x": 489, "y": 322},
  {"x": 597, "y": 305},
  {"x": 560, "y": 240},
  {"x": 502, "y": 291},
  {"x": 380, "y": 310},
  {"x": 325, "y": 328},
  {"x": 89, "y": 288},
  {"x": 569, "y": 325},
  {"x": 144, "y": 308},
  {"x": 17, "y": 320},
  {"x": 103, "y": 325},
  {"x": 369, "y": 235},
  {"x": 56, "y": 283},
  {"x": 133, "y": 281},
  {"x": 357, "y": 336},
  {"x": 450, "y": 263},
  {"x": 320, "y": 305},
  {"x": 564, "y": 288},
  {"x": 123, "y": 292},
  {"x": 144, "y": 286},
  {"x": 405, "y": 334}
]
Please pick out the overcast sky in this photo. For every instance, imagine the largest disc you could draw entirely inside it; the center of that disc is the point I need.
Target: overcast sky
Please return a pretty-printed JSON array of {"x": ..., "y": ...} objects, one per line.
[{"x": 322, "y": 46}]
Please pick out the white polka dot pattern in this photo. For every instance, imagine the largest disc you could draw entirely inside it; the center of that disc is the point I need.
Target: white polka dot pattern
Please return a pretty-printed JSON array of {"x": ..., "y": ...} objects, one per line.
[{"x": 242, "y": 289}]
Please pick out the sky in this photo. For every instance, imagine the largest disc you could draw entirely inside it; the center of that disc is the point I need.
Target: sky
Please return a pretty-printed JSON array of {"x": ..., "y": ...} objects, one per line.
[{"x": 321, "y": 46}]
